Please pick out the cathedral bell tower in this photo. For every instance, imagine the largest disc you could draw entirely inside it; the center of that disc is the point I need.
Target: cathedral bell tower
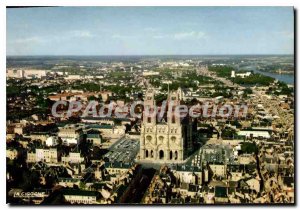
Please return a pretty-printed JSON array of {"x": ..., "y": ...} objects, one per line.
[{"x": 166, "y": 141}]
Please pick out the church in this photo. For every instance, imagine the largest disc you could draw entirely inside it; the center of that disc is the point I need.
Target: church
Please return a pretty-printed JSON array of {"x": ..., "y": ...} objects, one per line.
[{"x": 168, "y": 140}]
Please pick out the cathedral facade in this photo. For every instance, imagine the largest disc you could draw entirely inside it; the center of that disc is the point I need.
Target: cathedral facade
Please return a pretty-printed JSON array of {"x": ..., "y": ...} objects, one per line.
[{"x": 168, "y": 140}]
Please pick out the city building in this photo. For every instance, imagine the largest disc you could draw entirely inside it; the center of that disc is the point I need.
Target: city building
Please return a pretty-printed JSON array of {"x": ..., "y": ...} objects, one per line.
[
  {"x": 73, "y": 157},
  {"x": 70, "y": 134},
  {"x": 45, "y": 155},
  {"x": 169, "y": 140},
  {"x": 81, "y": 196}
]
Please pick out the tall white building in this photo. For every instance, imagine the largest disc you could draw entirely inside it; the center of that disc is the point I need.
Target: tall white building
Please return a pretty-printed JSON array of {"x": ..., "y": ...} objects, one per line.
[
  {"x": 44, "y": 155},
  {"x": 232, "y": 74}
]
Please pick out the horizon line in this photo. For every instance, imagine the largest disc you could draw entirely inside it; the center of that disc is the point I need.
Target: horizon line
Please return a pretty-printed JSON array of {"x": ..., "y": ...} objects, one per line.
[{"x": 157, "y": 55}]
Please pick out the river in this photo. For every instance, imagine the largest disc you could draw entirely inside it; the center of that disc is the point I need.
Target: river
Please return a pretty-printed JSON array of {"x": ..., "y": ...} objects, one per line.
[{"x": 286, "y": 78}]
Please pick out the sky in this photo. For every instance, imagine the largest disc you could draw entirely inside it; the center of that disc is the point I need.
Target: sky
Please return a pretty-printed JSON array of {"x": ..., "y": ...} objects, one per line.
[{"x": 149, "y": 30}]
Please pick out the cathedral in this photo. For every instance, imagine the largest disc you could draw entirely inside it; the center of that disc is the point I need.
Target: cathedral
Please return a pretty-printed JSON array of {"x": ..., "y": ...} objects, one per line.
[{"x": 168, "y": 140}]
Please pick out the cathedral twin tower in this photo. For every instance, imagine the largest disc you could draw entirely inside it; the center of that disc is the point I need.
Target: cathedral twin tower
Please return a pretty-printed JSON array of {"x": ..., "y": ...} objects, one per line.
[{"x": 168, "y": 140}]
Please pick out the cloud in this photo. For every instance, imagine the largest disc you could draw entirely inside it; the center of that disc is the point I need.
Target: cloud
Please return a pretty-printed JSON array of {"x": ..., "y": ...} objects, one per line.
[
  {"x": 27, "y": 40},
  {"x": 189, "y": 35},
  {"x": 160, "y": 36},
  {"x": 181, "y": 35},
  {"x": 286, "y": 35},
  {"x": 81, "y": 34},
  {"x": 49, "y": 38},
  {"x": 151, "y": 29},
  {"x": 119, "y": 36},
  {"x": 191, "y": 23}
]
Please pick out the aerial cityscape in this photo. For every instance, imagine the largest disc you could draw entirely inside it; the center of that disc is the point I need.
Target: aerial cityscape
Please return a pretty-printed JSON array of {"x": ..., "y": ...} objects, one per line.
[{"x": 132, "y": 110}]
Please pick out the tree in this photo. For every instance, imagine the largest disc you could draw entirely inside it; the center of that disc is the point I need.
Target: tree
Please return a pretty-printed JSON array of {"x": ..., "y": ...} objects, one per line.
[
  {"x": 254, "y": 79},
  {"x": 248, "y": 91},
  {"x": 249, "y": 148},
  {"x": 59, "y": 141},
  {"x": 117, "y": 121},
  {"x": 31, "y": 180},
  {"x": 228, "y": 133},
  {"x": 92, "y": 98}
]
